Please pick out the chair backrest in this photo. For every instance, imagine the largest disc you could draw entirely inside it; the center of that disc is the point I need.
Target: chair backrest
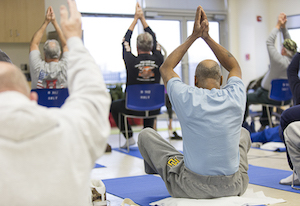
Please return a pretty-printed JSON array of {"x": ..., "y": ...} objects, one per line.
[
  {"x": 145, "y": 97},
  {"x": 51, "y": 97},
  {"x": 280, "y": 90}
]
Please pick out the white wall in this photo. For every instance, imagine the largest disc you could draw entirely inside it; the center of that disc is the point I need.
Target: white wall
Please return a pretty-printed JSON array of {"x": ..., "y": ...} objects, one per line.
[{"x": 247, "y": 36}]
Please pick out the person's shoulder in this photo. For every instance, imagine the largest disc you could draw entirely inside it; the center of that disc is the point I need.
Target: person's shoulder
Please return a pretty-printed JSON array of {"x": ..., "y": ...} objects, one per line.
[
  {"x": 234, "y": 79},
  {"x": 35, "y": 52},
  {"x": 35, "y": 57},
  {"x": 174, "y": 80}
]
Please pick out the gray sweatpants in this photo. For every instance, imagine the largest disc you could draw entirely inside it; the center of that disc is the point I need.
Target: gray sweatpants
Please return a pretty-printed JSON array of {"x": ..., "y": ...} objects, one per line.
[
  {"x": 292, "y": 140},
  {"x": 160, "y": 157}
]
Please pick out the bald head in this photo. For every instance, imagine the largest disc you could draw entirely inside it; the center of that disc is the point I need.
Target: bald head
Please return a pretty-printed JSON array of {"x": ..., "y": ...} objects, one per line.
[
  {"x": 12, "y": 79},
  {"x": 208, "y": 75}
]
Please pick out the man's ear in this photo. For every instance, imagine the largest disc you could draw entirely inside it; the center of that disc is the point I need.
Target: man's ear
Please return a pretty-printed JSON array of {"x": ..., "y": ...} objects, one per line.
[
  {"x": 33, "y": 96},
  {"x": 195, "y": 80},
  {"x": 221, "y": 80}
]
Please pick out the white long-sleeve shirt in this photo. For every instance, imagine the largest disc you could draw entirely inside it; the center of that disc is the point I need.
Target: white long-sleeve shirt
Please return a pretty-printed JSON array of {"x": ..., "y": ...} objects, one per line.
[{"x": 46, "y": 155}]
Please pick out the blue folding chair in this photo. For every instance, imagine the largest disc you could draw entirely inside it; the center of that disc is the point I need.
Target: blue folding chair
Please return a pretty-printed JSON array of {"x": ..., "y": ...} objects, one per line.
[
  {"x": 280, "y": 91},
  {"x": 145, "y": 98},
  {"x": 51, "y": 97}
]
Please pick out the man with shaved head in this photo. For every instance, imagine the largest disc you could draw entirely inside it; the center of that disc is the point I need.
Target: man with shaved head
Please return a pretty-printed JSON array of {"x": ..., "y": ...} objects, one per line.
[
  {"x": 208, "y": 75},
  {"x": 52, "y": 71},
  {"x": 47, "y": 154},
  {"x": 12, "y": 79},
  {"x": 214, "y": 160}
]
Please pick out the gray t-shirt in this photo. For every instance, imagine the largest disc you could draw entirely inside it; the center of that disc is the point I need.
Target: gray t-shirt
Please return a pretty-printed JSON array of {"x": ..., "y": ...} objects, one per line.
[{"x": 47, "y": 75}]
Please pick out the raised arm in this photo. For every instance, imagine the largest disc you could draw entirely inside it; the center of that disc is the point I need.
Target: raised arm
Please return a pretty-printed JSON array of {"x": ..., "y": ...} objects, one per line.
[
  {"x": 137, "y": 15},
  {"x": 89, "y": 102},
  {"x": 281, "y": 21},
  {"x": 166, "y": 69},
  {"x": 60, "y": 33},
  {"x": 37, "y": 37},
  {"x": 274, "y": 55},
  {"x": 281, "y": 25},
  {"x": 226, "y": 59},
  {"x": 139, "y": 12}
]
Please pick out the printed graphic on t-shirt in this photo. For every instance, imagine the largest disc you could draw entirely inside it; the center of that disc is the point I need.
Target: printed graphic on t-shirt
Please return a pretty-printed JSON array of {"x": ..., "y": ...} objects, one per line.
[
  {"x": 51, "y": 84},
  {"x": 146, "y": 72},
  {"x": 45, "y": 81}
]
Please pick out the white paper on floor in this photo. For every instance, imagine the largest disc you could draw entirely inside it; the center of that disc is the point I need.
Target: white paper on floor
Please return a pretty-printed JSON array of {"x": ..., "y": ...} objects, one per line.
[
  {"x": 249, "y": 198},
  {"x": 273, "y": 146}
]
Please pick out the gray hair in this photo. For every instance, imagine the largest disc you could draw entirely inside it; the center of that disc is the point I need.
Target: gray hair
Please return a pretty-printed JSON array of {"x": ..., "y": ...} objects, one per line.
[
  {"x": 52, "y": 49},
  {"x": 203, "y": 72},
  {"x": 145, "y": 42}
]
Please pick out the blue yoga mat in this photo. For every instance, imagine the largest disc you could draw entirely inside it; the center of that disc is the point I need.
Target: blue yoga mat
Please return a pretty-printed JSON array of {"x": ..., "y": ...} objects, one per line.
[
  {"x": 145, "y": 189},
  {"x": 262, "y": 176},
  {"x": 98, "y": 166},
  {"x": 142, "y": 189},
  {"x": 134, "y": 151},
  {"x": 269, "y": 177}
]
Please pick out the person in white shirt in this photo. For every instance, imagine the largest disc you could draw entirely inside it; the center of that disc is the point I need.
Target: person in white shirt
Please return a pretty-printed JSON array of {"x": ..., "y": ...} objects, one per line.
[{"x": 47, "y": 154}]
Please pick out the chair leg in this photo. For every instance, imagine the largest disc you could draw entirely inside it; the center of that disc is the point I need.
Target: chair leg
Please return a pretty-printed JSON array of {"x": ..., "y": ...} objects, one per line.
[
  {"x": 119, "y": 122},
  {"x": 126, "y": 132},
  {"x": 295, "y": 188},
  {"x": 269, "y": 117}
]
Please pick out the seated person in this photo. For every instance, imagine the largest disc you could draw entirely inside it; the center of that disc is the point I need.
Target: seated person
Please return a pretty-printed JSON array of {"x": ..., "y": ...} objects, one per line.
[
  {"x": 278, "y": 66},
  {"x": 51, "y": 73},
  {"x": 291, "y": 114},
  {"x": 141, "y": 69},
  {"x": 292, "y": 141},
  {"x": 215, "y": 145},
  {"x": 47, "y": 154}
]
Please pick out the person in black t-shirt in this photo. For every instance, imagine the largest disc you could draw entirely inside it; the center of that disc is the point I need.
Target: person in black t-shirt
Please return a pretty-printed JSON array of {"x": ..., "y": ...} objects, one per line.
[{"x": 141, "y": 69}]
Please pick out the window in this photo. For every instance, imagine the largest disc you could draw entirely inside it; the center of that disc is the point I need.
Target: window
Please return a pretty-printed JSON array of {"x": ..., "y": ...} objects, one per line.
[
  {"x": 103, "y": 36},
  {"x": 200, "y": 50},
  {"x": 106, "y": 22},
  {"x": 295, "y": 36},
  {"x": 106, "y": 7},
  {"x": 168, "y": 35}
]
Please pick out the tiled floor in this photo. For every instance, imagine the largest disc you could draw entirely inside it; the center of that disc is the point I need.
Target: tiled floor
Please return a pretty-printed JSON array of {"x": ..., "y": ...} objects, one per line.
[{"x": 122, "y": 165}]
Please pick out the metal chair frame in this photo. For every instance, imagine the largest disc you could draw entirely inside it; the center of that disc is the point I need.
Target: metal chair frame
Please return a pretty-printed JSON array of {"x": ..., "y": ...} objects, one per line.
[
  {"x": 147, "y": 92},
  {"x": 284, "y": 95}
]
